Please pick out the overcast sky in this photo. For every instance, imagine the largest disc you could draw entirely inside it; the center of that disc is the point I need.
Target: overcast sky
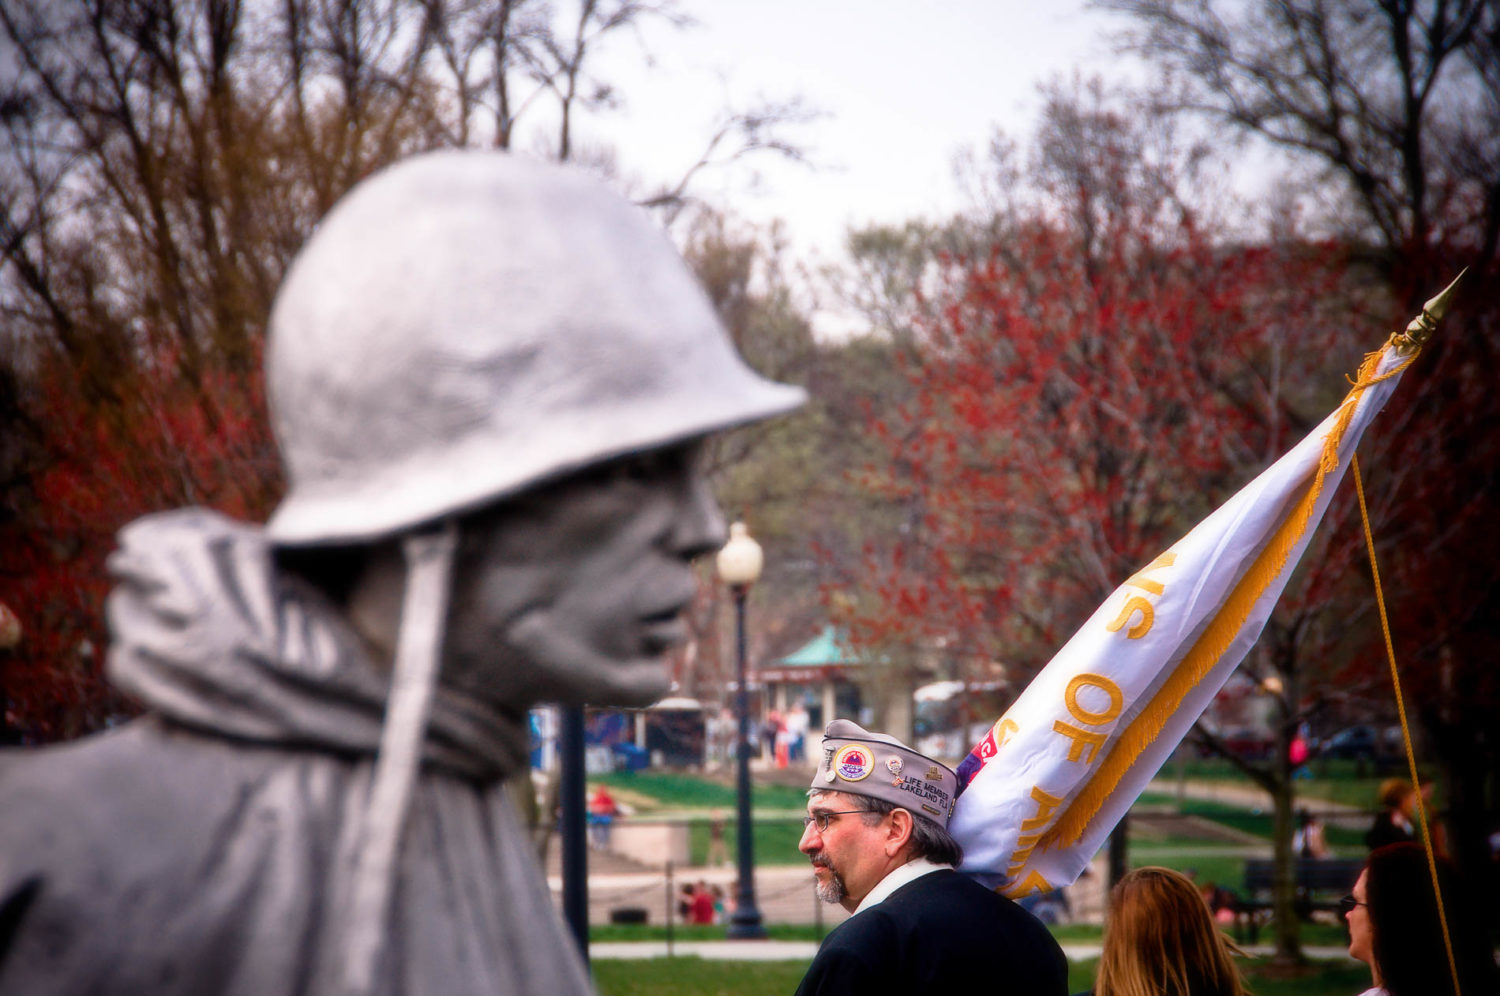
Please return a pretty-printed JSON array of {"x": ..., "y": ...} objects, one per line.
[{"x": 903, "y": 86}]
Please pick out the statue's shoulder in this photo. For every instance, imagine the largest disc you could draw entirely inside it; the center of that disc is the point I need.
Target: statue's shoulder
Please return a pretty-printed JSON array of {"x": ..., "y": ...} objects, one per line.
[
  {"x": 94, "y": 820},
  {"x": 88, "y": 829},
  {"x": 49, "y": 794},
  {"x": 83, "y": 803}
]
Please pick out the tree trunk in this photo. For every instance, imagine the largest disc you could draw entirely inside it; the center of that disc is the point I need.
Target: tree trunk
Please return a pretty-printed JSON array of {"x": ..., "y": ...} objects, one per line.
[{"x": 1286, "y": 926}]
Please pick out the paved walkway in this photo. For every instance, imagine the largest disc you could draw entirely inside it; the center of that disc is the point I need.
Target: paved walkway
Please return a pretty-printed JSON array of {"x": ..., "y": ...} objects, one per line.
[
  {"x": 804, "y": 950},
  {"x": 782, "y": 894},
  {"x": 1242, "y": 793}
]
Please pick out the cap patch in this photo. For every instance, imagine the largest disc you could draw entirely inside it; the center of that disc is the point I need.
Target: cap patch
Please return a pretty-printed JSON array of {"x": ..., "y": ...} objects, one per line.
[
  {"x": 904, "y": 777},
  {"x": 853, "y": 763}
]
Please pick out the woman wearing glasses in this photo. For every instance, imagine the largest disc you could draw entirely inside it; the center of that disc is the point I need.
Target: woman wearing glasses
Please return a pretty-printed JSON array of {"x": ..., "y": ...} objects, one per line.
[{"x": 1394, "y": 928}]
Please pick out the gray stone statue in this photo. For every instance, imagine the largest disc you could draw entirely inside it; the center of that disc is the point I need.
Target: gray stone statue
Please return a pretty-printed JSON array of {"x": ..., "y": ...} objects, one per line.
[{"x": 490, "y": 379}]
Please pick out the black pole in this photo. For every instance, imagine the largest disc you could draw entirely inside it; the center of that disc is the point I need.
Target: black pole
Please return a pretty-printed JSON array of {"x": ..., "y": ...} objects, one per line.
[
  {"x": 575, "y": 855},
  {"x": 1119, "y": 845},
  {"x": 746, "y": 922},
  {"x": 670, "y": 918}
]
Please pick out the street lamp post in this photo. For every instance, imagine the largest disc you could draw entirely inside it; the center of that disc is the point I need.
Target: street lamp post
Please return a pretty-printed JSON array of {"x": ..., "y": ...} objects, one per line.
[
  {"x": 572, "y": 822},
  {"x": 739, "y": 566}
]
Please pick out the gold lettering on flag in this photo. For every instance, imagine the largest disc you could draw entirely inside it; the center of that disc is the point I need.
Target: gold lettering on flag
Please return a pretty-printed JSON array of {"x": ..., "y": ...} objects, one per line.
[
  {"x": 1033, "y": 882},
  {"x": 1046, "y": 805},
  {"x": 1085, "y": 741},
  {"x": 1135, "y": 603}
]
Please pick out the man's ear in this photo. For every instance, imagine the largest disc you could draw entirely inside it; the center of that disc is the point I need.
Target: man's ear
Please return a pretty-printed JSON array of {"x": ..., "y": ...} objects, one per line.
[{"x": 898, "y": 832}]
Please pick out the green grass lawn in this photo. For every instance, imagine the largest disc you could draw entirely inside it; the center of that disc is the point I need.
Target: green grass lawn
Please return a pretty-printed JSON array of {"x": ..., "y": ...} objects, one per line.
[
  {"x": 775, "y": 841},
  {"x": 1220, "y": 870},
  {"x": 674, "y": 976},
  {"x": 1251, "y": 821},
  {"x": 669, "y": 790},
  {"x": 696, "y": 977},
  {"x": 1348, "y": 772}
]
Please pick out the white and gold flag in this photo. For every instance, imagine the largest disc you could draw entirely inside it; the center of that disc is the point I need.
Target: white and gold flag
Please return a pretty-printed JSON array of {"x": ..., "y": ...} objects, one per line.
[{"x": 1042, "y": 791}]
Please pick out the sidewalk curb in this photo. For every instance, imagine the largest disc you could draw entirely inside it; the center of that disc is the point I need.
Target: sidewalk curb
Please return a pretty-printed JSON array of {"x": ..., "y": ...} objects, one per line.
[{"x": 804, "y": 951}]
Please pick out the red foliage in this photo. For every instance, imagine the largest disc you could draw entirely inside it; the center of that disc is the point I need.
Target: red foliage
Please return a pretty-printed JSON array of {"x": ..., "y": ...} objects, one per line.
[
  {"x": 1073, "y": 415},
  {"x": 1433, "y": 489},
  {"x": 171, "y": 443}
]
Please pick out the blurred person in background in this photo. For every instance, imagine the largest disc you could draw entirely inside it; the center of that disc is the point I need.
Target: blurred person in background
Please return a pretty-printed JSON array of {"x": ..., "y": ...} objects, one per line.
[
  {"x": 1309, "y": 840},
  {"x": 1393, "y": 825},
  {"x": 602, "y": 812}
]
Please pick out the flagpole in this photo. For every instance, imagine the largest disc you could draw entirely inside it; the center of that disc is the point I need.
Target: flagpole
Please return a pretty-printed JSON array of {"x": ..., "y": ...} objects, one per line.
[{"x": 1420, "y": 329}]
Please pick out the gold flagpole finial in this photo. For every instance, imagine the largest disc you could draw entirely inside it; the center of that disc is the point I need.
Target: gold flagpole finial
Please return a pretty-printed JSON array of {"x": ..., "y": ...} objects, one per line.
[{"x": 1421, "y": 328}]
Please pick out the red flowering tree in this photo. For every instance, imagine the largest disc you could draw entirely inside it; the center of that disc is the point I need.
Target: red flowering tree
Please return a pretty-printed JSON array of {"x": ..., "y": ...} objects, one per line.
[
  {"x": 1084, "y": 391},
  {"x": 168, "y": 442}
]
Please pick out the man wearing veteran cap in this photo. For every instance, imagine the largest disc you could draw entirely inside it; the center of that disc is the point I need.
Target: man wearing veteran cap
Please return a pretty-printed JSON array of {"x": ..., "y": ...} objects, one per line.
[{"x": 877, "y": 836}]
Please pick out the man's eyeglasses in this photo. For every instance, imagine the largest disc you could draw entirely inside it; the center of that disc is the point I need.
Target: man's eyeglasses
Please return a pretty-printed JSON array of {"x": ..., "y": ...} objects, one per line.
[
  {"x": 1347, "y": 904},
  {"x": 822, "y": 819}
]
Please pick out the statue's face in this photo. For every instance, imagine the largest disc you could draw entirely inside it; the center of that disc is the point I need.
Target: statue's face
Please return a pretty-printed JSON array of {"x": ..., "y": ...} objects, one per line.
[{"x": 572, "y": 592}]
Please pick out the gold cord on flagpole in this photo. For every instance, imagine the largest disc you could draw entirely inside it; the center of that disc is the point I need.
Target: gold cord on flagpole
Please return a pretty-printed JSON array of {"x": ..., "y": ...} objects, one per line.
[{"x": 1411, "y": 757}]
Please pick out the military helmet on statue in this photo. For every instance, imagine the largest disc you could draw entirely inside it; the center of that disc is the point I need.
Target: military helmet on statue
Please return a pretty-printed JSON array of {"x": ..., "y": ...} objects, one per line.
[{"x": 466, "y": 325}]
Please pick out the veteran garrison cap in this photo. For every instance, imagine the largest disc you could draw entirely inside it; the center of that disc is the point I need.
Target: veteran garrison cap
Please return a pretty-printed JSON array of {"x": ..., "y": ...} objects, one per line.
[{"x": 859, "y": 762}]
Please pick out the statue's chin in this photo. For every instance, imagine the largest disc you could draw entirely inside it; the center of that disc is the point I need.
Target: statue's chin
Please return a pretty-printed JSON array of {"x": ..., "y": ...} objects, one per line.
[
  {"x": 548, "y": 664},
  {"x": 632, "y": 683}
]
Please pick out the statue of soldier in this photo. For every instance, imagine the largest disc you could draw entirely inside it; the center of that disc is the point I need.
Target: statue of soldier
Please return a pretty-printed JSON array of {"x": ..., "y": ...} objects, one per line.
[{"x": 489, "y": 379}]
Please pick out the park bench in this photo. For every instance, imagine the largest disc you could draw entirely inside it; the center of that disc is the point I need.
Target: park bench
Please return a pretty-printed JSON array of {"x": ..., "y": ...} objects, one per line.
[{"x": 1321, "y": 883}]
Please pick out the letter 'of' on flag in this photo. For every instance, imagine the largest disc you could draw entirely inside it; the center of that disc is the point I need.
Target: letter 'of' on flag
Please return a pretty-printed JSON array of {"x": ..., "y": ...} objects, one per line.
[{"x": 1045, "y": 787}]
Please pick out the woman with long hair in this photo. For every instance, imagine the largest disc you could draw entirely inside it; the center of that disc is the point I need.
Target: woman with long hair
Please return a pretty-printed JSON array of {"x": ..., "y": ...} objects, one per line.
[
  {"x": 1394, "y": 928},
  {"x": 1159, "y": 940}
]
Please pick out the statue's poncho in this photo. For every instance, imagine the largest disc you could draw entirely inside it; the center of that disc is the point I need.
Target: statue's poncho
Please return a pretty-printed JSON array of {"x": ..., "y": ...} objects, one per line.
[{"x": 206, "y": 847}]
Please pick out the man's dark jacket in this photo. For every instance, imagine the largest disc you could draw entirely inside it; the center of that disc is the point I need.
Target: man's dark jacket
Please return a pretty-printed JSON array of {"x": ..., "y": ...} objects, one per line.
[{"x": 936, "y": 934}]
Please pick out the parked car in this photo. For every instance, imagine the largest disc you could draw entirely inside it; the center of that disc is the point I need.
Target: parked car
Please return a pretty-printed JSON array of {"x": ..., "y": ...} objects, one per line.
[
  {"x": 1351, "y": 744},
  {"x": 1051, "y": 908},
  {"x": 1363, "y": 743},
  {"x": 1250, "y": 744}
]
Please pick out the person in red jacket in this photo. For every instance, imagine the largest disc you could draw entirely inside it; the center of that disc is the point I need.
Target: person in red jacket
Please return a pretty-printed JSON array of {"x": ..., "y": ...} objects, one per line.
[{"x": 703, "y": 904}]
